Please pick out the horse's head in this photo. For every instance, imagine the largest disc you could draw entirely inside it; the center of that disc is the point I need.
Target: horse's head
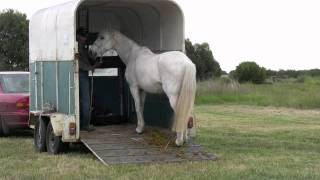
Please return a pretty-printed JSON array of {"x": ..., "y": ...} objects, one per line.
[{"x": 103, "y": 43}]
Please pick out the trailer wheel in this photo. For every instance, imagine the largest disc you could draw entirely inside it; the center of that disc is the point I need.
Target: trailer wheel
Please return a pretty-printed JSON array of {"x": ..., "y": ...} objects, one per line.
[
  {"x": 40, "y": 136},
  {"x": 54, "y": 143}
]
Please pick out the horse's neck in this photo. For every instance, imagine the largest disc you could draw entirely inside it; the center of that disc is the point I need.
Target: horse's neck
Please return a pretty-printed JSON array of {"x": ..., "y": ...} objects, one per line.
[{"x": 126, "y": 48}]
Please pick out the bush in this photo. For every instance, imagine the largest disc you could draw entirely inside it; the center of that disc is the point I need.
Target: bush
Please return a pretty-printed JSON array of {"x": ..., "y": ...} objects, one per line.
[
  {"x": 221, "y": 85},
  {"x": 250, "y": 72},
  {"x": 301, "y": 79}
]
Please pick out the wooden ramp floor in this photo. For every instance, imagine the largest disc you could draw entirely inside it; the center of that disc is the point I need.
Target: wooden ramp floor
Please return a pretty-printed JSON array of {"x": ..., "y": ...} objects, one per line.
[{"x": 120, "y": 144}]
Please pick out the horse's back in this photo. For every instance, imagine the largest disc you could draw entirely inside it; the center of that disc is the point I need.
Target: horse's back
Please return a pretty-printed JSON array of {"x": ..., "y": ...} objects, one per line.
[
  {"x": 173, "y": 62},
  {"x": 175, "y": 57},
  {"x": 172, "y": 67},
  {"x": 157, "y": 72}
]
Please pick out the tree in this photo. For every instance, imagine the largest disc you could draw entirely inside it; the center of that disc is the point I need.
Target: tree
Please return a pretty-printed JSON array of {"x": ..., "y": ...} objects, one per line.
[
  {"x": 190, "y": 51},
  {"x": 271, "y": 73},
  {"x": 14, "y": 40},
  {"x": 295, "y": 73},
  {"x": 314, "y": 72},
  {"x": 250, "y": 72},
  {"x": 201, "y": 55}
]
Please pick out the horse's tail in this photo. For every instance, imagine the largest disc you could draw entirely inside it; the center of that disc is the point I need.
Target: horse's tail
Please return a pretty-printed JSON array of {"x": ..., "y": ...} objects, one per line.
[{"x": 185, "y": 102}]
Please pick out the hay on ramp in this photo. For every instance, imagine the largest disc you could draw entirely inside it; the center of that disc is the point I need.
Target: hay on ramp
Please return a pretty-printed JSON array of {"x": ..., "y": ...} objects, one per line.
[
  {"x": 164, "y": 140},
  {"x": 160, "y": 138}
]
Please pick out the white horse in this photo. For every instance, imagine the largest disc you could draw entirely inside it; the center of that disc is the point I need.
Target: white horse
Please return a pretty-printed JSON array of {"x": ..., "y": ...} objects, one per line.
[{"x": 171, "y": 73}]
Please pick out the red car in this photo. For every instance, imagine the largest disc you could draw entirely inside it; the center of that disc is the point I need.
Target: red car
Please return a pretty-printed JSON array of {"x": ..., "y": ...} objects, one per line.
[{"x": 14, "y": 101}]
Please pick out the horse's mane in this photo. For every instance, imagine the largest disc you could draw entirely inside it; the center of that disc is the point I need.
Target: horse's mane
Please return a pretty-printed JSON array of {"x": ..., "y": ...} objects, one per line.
[
  {"x": 146, "y": 49},
  {"x": 114, "y": 32}
]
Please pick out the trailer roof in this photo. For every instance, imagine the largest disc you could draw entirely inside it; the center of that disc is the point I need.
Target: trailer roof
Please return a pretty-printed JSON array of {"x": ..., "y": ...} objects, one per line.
[{"x": 158, "y": 24}]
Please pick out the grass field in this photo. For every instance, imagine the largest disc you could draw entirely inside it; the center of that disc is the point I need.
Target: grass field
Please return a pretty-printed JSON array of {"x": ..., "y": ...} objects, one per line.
[
  {"x": 250, "y": 142},
  {"x": 301, "y": 93}
]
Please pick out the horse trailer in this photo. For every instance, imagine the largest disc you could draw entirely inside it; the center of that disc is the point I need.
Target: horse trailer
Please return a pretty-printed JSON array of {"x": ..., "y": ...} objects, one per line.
[{"x": 54, "y": 80}]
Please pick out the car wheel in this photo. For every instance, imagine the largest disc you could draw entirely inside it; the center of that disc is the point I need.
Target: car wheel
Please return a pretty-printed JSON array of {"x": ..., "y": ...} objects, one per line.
[
  {"x": 40, "y": 135},
  {"x": 54, "y": 143},
  {"x": 4, "y": 129},
  {"x": 1, "y": 132}
]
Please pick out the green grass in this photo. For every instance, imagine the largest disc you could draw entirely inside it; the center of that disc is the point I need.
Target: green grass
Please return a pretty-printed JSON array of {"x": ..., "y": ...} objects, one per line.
[
  {"x": 250, "y": 142},
  {"x": 302, "y": 93}
]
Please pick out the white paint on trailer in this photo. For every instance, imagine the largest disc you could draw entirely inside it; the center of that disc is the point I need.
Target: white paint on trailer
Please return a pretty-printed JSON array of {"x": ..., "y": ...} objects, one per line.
[{"x": 158, "y": 24}]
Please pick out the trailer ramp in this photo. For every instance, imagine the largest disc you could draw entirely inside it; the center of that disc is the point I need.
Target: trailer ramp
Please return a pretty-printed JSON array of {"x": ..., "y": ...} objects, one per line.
[{"x": 120, "y": 144}]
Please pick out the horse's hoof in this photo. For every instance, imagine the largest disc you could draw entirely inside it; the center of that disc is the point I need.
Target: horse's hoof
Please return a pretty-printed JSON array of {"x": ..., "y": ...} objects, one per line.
[
  {"x": 179, "y": 142},
  {"x": 186, "y": 138},
  {"x": 139, "y": 130}
]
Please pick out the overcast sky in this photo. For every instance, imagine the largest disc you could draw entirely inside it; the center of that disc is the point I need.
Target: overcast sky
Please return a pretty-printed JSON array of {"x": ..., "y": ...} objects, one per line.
[{"x": 277, "y": 34}]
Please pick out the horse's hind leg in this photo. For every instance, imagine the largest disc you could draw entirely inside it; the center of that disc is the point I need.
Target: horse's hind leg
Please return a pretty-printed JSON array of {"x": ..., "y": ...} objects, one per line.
[
  {"x": 173, "y": 102},
  {"x": 138, "y": 97}
]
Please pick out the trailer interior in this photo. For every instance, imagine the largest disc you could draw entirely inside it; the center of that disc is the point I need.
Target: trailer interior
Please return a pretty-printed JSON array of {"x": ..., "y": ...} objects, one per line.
[{"x": 152, "y": 24}]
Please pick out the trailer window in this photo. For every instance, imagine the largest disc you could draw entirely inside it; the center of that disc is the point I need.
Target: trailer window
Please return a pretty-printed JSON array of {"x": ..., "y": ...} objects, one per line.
[{"x": 15, "y": 83}]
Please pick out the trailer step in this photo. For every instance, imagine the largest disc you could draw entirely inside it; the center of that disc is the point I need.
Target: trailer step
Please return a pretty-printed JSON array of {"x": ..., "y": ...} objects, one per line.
[{"x": 120, "y": 144}]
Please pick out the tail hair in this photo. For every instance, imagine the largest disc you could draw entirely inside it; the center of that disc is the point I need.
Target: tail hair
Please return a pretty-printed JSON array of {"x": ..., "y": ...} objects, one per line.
[{"x": 185, "y": 103}]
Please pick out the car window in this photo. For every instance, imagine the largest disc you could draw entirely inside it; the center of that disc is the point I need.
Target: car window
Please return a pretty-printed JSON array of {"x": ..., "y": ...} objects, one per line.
[{"x": 15, "y": 83}]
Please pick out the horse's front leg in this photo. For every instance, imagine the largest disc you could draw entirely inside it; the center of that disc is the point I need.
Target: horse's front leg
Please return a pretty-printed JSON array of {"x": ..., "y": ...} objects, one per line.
[
  {"x": 142, "y": 100},
  {"x": 139, "y": 98}
]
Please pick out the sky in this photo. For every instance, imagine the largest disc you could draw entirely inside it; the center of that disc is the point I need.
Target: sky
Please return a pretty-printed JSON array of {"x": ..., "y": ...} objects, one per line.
[{"x": 276, "y": 34}]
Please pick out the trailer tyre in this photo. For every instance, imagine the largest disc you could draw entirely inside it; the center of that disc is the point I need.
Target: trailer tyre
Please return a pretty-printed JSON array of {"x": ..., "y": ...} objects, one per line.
[
  {"x": 54, "y": 143},
  {"x": 40, "y": 136}
]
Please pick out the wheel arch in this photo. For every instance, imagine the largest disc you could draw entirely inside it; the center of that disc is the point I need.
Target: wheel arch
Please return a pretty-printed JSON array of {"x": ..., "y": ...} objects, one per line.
[{"x": 55, "y": 118}]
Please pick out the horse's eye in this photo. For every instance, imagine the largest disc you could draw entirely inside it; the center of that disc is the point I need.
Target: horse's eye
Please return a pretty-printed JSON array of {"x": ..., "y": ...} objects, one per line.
[{"x": 102, "y": 38}]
